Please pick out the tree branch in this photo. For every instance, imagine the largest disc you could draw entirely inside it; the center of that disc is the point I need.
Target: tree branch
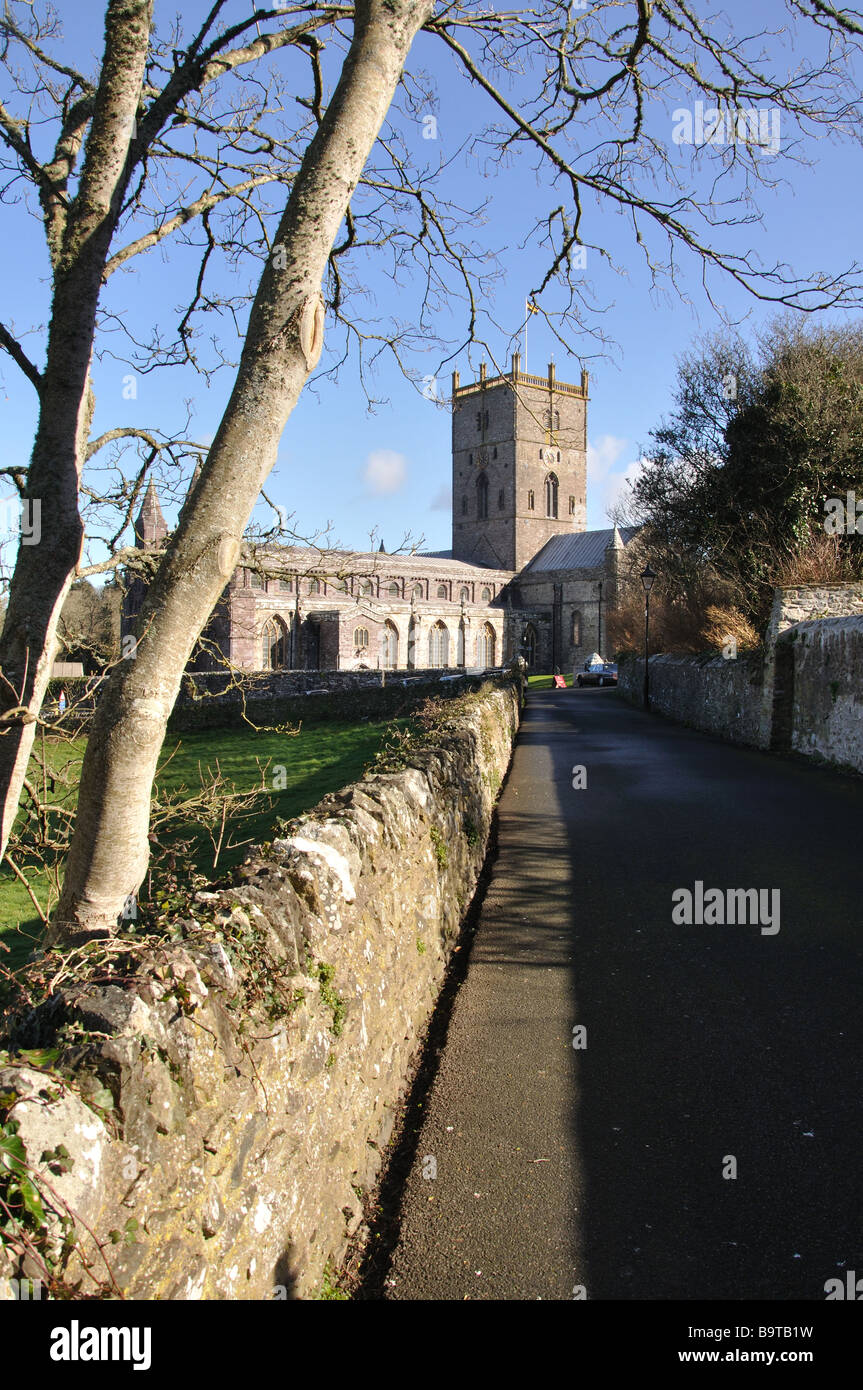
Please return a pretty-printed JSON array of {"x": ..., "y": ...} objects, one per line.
[
  {"x": 17, "y": 353},
  {"x": 186, "y": 214}
]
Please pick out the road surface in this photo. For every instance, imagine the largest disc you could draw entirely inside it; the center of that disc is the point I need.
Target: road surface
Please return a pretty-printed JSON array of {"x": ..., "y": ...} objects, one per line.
[{"x": 548, "y": 1171}]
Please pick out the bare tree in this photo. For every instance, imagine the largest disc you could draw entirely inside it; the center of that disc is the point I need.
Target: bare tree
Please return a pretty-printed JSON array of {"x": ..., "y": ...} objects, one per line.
[
  {"x": 122, "y": 162},
  {"x": 589, "y": 96}
]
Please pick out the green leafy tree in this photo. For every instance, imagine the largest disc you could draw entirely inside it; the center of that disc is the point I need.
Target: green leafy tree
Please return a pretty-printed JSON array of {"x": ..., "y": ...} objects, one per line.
[{"x": 737, "y": 485}]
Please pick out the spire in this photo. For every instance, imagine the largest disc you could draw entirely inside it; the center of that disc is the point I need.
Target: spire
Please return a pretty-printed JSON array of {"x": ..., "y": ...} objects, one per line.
[
  {"x": 382, "y": 550},
  {"x": 150, "y": 527},
  {"x": 616, "y": 542}
]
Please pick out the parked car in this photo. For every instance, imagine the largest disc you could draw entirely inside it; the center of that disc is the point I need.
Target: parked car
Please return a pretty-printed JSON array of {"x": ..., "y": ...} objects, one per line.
[{"x": 597, "y": 672}]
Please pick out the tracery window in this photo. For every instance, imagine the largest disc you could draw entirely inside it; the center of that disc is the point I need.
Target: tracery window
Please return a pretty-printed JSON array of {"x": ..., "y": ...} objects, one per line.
[{"x": 439, "y": 646}]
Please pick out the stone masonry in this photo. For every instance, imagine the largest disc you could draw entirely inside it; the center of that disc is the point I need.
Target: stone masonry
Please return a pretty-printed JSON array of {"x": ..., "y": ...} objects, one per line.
[
  {"x": 256, "y": 1065},
  {"x": 802, "y": 692}
]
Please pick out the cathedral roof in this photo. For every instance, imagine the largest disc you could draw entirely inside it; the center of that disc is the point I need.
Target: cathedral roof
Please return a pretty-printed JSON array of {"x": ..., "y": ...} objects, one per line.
[
  {"x": 311, "y": 560},
  {"x": 578, "y": 550}
]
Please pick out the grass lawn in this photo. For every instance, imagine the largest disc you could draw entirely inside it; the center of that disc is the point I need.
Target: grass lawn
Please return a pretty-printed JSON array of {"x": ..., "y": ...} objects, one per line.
[
  {"x": 546, "y": 682},
  {"x": 323, "y": 758}
]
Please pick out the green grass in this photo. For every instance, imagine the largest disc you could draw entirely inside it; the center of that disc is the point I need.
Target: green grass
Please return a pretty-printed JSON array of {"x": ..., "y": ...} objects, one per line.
[
  {"x": 321, "y": 759},
  {"x": 546, "y": 682}
]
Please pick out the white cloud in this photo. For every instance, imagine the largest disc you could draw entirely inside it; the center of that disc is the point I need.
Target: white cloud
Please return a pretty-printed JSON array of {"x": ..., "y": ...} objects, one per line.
[
  {"x": 616, "y": 485},
  {"x": 442, "y": 500},
  {"x": 385, "y": 472},
  {"x": 603, "y": 455},
  {"x": 607, "y": 478}
]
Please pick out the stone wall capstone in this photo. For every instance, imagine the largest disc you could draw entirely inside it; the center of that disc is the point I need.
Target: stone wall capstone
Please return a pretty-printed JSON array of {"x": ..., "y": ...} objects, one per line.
[{"x": 256, "y": 1056}]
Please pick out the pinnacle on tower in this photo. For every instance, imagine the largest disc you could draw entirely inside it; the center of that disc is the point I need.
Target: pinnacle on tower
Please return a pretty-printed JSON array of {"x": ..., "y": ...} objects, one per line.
[{"x": 151, "y": 527}]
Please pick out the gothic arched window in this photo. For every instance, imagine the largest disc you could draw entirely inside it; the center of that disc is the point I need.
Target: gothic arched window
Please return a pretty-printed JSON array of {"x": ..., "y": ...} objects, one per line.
[
  {"x": 482, "y": 496},
  {"x": 465, "y": 595},
  {"x": 485, "y": 644},
  {"x": 442, "y": 591},
  {"x": 390, "y": 647},
  {"x": 361, "y": 637},
  {"x": 274, "y": 645},
  {"x": 551, "y": 487},
  {"x": 419, "y": 591},
  {"x": 255, "y": 580},
  {"x": 528, "y": 645},
  {"x": 314, "y": 586},
  {"x": 394, "y": 591},
  {"x": 486, "y": 595},
  {"x": 439, "y": 646},
  {"x": 367, "y": 588}
]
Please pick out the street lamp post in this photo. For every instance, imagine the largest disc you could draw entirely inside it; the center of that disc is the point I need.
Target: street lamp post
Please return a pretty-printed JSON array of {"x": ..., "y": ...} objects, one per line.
[{"x": 647, "y": 578}]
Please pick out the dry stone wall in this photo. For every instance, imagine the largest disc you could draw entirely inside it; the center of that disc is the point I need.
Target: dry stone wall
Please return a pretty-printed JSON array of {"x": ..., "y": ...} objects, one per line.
[
  {"x": 722, "y": 697},
  {"x": 825, "y": 699},
  {"x": 288, "y": 697},
  {"x": 803, "y": 693},
  {"x": 255, "y": 1062}
]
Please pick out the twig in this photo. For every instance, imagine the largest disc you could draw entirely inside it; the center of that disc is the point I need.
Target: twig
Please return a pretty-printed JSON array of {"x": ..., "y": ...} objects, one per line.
[{"x": 18, "y": 874}]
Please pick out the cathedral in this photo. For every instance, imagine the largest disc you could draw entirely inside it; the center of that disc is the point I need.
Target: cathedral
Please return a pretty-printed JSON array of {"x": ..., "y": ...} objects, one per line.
[{"x": 523, "y": 577}]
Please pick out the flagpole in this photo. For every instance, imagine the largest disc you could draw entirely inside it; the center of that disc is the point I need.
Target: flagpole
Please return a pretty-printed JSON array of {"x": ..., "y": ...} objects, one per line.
[{"x": 528, "y": 310}]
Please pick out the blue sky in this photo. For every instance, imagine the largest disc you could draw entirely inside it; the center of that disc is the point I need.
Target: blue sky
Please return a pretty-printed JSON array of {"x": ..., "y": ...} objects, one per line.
[{"x": 387, "y": 470}]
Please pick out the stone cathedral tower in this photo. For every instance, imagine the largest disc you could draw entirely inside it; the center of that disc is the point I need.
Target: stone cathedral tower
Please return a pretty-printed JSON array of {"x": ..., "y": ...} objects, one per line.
[{"x": 519, "y": 465}]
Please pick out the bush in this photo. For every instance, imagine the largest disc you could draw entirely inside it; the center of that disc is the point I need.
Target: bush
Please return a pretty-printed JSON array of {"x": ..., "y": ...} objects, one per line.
[{"x": 684, "y": 626}]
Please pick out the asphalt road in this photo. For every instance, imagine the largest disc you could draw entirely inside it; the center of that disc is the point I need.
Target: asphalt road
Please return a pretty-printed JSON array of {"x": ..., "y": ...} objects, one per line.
[{"x": 562, "y": 1168}]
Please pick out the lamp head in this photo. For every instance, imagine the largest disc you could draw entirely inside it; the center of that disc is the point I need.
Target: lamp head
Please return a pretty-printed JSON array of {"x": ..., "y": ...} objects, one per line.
[{"x": 647, "y": 579}]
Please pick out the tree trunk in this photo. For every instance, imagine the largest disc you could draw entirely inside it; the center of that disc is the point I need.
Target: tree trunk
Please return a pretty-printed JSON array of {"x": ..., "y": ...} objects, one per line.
[
  {"x": 108, "y": 857},
  {"x": 44, "y": 571}
]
